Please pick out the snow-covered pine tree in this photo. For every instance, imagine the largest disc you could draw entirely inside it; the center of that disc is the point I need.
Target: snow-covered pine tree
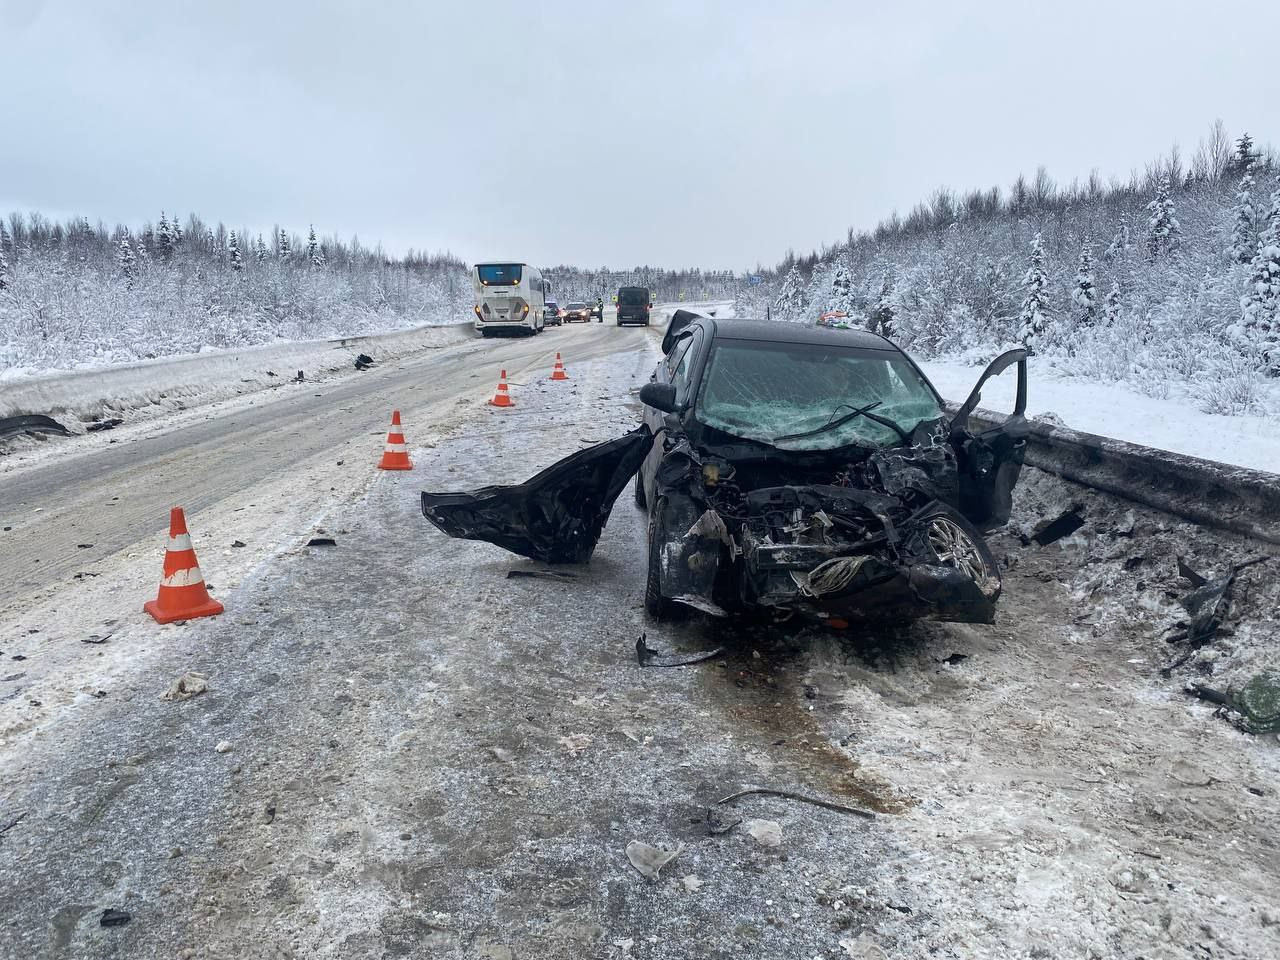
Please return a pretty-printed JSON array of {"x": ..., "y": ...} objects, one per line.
[
  {"x": 1259, "y": 326},
  {"x": 1121, "y": 242},
  {"x": 1245, "y": 155},
  {"x": 1085, "y": 293},
  {"x": 312, "y": 246},
  {"x": 881, "y": 318},
  {"x": 164, "y": 239},
  {"x": 1244, "y": 232},
  {"x": 283, "y": 245},
  {"x": 1034, "y": 318},
  {"x": 793, "y": 298},
  {"x": 4, "y": 262},
  {"x": 841, "y": 289},
  {"x": 1111, "y": 309},
  {"x": 233, "y": 252},
  {"x": 127, "y": 261},
  {"x": 1163, "y": 230},
  {"x": 260, "y": 250},
  {"x": 175, "y": 228}
]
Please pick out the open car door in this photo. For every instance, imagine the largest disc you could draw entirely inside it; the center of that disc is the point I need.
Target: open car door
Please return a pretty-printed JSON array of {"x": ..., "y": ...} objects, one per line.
[
  {"x": 556, "y": 516},
  {"x": 990, "y": 457}
]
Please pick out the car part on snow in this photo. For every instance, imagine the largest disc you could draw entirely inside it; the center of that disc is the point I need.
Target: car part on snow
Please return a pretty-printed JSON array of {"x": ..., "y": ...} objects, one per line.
[
  {"x": 108, "y": 424},
  {"x": 556, "y": 516},
  {"x": 189, "y": 685},
  {"x": 114, "y": 918},
  {"x": 363, "y": 361},
  {"x": 1257, "y": 702},
  {"x": 322, "y": 542},
  {"x": 803, "y": 798},
  {"x": 1055, "y": 529},
  {"x": 542, "y": 575},
  {"x": 648, "y": 859},
  {"x": 645, "y": 655},
  {"x": 32, "y": 424}
]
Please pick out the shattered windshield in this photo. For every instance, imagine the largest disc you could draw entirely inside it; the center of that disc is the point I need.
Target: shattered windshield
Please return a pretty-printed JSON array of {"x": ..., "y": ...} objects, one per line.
[{"x": 763, "y": 391}]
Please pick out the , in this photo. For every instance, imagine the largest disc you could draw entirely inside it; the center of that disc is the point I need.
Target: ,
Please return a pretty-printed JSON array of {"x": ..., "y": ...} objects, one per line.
[
  {"x": 785, "y": 470},
  {"x": 510, "y": 298}
]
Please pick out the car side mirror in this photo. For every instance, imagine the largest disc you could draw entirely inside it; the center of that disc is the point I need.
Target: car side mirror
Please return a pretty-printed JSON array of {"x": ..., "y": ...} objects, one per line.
[
  {"x": 996, "y": 367},
  {"x": 660, "y": 396}
]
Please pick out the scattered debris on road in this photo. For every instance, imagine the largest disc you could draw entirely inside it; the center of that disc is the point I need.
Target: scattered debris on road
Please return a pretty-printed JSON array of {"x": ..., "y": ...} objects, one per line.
[
  {"x": 13, "y": 822},
  {"x": 648, "y": 859},
  {"x": 646, "y": 653},
  {"x": 95, "y": 638},
  {"x": 1256, "y": 704},
  {"x": 188, "y": 685},
  {"x": 363, "y": 361},
  {"x": 767, "y": 833},
  {"x": 541, "y": 574},
  {"x": 803, "y": 798},
  {"x": 238, "y": 544},
  {"x": 1059, "y": 527},
  {"x": 114, "y": 918},
  {"x": 31, "y": 424},
  {"x": 100, "y": 425},
  {"x": 322, "y": 542}
]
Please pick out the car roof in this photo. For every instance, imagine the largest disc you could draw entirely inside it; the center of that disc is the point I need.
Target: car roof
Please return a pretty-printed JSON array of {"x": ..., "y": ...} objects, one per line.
[{"x": 777, "y": 331}]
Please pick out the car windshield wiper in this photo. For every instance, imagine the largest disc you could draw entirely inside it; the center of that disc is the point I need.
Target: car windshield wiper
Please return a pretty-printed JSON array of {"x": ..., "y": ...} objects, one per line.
[{"x": 839, "y": 422}]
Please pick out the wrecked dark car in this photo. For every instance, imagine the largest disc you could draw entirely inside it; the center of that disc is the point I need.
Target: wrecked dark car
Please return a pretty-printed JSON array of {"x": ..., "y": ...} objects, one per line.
[{"x": 785, "y": 469}]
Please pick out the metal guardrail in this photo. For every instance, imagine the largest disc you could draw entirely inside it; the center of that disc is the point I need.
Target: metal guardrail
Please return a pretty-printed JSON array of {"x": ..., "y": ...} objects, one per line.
[{"x": 1211, "y": 494}]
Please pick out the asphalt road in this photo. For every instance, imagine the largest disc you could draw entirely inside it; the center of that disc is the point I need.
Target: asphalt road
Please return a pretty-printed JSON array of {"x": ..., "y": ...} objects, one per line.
[{"x": 112, "y": 497}]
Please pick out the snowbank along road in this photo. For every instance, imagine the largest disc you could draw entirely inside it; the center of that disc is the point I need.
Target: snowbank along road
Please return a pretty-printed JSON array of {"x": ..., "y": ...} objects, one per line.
[{"x": 423, "y": 755}]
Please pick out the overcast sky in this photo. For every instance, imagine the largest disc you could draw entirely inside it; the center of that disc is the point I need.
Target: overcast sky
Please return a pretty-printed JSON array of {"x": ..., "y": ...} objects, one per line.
[{"x": 675, "y": 134}]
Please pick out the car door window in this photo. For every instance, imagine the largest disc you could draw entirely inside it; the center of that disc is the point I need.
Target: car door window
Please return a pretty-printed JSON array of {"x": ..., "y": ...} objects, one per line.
[{"x": 674, "y": 358}]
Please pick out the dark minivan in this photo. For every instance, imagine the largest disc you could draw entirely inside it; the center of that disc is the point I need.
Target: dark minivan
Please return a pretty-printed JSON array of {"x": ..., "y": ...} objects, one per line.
[{"x": 633, "y": 305}]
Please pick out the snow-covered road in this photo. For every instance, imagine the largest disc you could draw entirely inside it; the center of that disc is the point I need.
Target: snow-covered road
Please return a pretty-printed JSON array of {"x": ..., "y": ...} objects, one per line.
[{"x": 430, "y": 758}]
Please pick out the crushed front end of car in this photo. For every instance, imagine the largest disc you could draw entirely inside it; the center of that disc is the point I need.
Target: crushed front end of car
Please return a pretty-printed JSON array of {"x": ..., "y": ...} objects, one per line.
[{"x": 879, "y": 540}]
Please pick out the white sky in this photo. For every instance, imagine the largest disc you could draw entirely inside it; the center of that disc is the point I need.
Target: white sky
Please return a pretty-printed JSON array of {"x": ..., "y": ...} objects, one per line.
[{"x": 675, "y": 134}]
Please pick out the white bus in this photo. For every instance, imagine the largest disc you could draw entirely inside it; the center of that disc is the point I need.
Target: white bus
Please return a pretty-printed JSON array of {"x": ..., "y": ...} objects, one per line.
[{"x": 509, "y": 296}]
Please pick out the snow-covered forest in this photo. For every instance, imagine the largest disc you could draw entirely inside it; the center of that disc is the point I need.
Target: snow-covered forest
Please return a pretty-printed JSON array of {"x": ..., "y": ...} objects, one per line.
[
  {"x": 77, "y": 294},
  {"x": 1168, "y": 282}
]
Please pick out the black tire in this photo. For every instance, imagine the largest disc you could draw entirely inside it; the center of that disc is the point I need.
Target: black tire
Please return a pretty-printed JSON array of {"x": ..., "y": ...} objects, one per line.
[{"x": 641, "y": 502}]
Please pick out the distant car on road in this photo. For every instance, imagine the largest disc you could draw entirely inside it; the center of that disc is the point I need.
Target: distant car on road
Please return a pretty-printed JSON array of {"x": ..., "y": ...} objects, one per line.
[
  {"x": 633, "y": 305},
  {"x": 577, "y": 313},
  {"x": 555, "y": 316}
]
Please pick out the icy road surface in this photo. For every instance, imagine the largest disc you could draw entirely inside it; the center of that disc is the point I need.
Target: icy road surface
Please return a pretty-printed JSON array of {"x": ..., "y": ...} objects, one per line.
[{"x": 426, "y": 758}]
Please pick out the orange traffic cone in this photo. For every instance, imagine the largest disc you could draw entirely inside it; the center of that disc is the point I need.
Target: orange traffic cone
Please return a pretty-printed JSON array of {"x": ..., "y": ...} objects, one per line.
[
  {"x": 396, "y": 454},
  {"x": 501, "y": 398},
  {"x": 182, "y": 593},
  {"x": 558, "y": 373}
]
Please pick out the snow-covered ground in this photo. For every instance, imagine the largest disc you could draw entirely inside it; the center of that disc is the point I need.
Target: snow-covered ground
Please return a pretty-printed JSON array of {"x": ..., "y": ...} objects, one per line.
[{"x": 1111, "y": 410}]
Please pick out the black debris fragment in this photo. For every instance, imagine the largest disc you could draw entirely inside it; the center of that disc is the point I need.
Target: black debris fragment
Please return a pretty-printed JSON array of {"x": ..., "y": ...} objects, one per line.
[
  {"x": 322, "y": 542},
  {"x": 12, "y": 822},
  {"x": 114, "y": 918},
  {"x": 299, "y": 378},
  {"x": 955, "y": 658},
  {"x": 33, "y": 424},
  {"x": 1190, "y": 575},
  {"x": 1208, "y": 605},
  {"x": 646, "y": 653},
  {"x": 1063, "y": 525},
  {"x": 238, "y": 543},
  {"x": 94, "y": 638},
  {"x": 541, "y": 574},
  {"x": 803, "y": 798},
  {"x": 363, "y": 361},
  {"x": 1134, "y": 562},
  {"x": 99, "y": 425}
]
